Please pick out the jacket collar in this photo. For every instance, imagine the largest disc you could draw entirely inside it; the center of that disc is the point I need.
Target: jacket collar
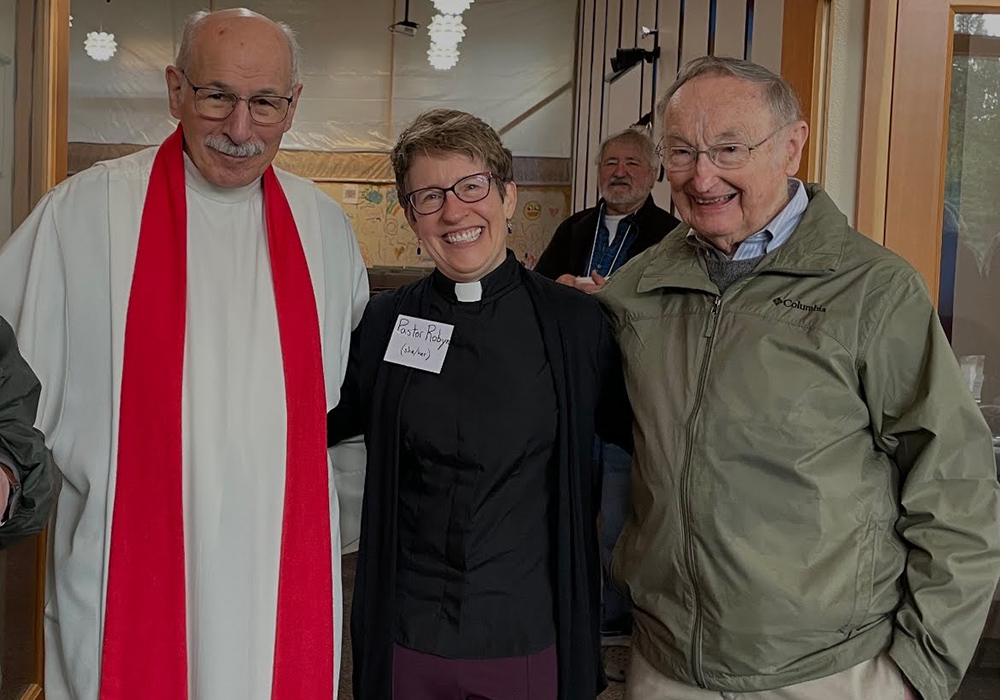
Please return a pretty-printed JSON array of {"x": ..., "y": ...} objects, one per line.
[{"x": 815, "y": 248}]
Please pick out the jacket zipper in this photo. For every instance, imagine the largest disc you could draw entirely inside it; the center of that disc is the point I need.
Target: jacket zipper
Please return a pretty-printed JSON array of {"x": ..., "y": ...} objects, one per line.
[{"x": 696, "y": 640}]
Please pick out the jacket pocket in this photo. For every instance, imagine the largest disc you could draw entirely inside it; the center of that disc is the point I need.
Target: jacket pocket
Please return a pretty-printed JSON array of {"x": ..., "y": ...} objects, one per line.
[
  {"x": 864, "y": 581},
  {"x": 613, "y": 574}
]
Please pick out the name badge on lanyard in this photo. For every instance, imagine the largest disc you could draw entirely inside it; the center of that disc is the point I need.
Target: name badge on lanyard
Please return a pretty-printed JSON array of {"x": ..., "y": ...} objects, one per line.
[
  {"x": 593, "y": 247},
  {"x": 419, "y": 343}
]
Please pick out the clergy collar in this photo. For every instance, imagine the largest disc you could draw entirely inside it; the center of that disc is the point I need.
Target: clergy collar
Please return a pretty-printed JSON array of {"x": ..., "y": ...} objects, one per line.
[
  {"x": 195, "y": 181},
  {"x": 493, "y": 285}
]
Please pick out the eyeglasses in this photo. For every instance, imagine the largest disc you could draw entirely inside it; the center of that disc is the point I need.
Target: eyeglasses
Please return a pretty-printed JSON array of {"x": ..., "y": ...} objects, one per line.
[
  {"x": 469, "y": 189},
  {"x": 727, "y": 156},
  {"x": 212, "y": 103}
]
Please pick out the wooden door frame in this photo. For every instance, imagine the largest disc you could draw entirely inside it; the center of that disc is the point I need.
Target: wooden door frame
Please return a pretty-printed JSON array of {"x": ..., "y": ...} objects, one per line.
[
  {"x": 806, "y": 47},
  {"x": 904, "y": 140},
  {"x": 41, "y": 118},
  {"x": 41, "y": 102}
]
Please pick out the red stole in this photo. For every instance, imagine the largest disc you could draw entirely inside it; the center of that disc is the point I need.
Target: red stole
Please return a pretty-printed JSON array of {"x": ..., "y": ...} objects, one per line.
[{"x": 145, "y": 631}]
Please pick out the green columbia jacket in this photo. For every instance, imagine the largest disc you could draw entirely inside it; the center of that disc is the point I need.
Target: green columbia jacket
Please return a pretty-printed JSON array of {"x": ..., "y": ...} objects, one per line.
[
  {"x": 38, "y": 479},
  {"x": 813, "y": 483}
]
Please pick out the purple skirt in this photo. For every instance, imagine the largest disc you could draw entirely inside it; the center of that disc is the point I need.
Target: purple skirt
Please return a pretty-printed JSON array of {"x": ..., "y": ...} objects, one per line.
[{"x": 417, "y": 676}]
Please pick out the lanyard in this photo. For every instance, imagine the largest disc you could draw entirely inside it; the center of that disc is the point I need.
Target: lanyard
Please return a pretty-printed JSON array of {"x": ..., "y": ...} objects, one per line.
[{"x": 593, "y": 246}]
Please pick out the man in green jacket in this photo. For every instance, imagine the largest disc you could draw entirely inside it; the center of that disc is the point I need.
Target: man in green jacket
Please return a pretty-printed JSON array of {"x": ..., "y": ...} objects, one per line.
[
  {"x": 29, "y": 480},
  {"x": 815, "y": 500}
]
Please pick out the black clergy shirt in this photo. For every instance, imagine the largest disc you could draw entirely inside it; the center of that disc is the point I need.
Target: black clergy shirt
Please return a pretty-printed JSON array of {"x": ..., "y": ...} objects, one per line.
[{"x": 474, "y": 568}]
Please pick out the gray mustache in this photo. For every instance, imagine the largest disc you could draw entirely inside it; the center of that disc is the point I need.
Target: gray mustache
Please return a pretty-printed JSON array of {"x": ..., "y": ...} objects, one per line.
[{"x": 222, "y": 144}]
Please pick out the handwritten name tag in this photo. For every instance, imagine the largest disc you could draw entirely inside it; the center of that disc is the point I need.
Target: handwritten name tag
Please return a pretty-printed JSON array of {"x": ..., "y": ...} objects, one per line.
[{"x": 419, "y": 343}]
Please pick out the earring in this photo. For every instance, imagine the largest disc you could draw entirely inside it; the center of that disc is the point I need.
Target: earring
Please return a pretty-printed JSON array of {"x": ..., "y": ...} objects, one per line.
[
  {"x": 418, "y": 249},
  {"x": 510, "y": 227}
]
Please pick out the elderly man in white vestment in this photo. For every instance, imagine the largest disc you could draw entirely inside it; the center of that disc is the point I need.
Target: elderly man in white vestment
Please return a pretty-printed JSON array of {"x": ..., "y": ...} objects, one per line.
[{"x": 188, "y": 311}]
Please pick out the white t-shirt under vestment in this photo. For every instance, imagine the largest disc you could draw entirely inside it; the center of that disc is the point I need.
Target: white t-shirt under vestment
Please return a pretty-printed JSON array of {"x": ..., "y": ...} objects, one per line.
[{"x": 65, "y": 278}]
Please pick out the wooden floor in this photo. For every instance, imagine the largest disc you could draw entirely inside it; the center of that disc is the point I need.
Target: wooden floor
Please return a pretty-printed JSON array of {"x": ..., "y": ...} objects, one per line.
[{"x": 979, "y": 685}]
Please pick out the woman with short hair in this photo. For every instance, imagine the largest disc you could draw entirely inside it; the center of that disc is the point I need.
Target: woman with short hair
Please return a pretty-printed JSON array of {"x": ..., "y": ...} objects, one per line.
[{"x": 478, "y": 573}]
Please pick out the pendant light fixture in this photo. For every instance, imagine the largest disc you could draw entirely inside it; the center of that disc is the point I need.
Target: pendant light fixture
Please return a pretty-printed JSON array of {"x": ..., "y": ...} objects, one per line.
[
  {"x": 446, "y": 31},
  {"x": 452, "y": 7},
  {"x": 99, "y": 45}
]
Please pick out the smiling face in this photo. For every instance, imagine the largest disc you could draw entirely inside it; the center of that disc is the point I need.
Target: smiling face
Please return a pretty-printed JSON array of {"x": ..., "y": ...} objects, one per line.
[
  {"x": 625, "y": 177},
  {"x": 727, "y": 206},
  {"x": 466, "y": 241},
  {"x": 245, "y": 56}
]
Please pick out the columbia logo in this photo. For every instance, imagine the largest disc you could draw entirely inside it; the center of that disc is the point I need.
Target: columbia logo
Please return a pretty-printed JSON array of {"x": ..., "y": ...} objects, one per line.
[{"x": 793, "y": 304}]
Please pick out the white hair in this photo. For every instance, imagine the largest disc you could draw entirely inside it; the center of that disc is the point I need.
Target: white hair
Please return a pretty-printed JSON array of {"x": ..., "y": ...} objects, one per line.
[
  {"x": 778, "y": 92},
  {"x": 640, "y": 138}
]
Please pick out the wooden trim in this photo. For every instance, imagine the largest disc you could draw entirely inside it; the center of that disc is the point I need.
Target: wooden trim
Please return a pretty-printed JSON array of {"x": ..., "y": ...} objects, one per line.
[
  {"x": 24, "y": 56},
  {"x": 919, "y": 127},
  {"x": 805, "y": 37},
  {"x": 917, "y": 143},
  {"x": 822, "y": 79},
  {"x": 33, "y": 692},
  {"x": 876, "y": 113},
  {"x": 40, "y": 564},
  {"x": 41, "y": 103},
  {"x": 985, "y": 46},
  {"x": 980, "y": 6},
  {"x": 57, "y": 92},
  {"x": 41, "y": 116}
]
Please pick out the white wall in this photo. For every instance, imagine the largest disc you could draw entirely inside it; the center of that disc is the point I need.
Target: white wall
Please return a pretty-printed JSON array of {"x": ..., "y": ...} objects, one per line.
[
  {"x": 843, "y": 127},
  {"x": 7, "y": 34},
  {"x": 362, "y": 83}
]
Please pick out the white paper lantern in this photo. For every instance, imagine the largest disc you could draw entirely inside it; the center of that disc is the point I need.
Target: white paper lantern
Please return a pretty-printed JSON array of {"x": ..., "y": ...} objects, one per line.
[
  {"x": 100, "y": 46},
  {"x": 452, "y": 7},
  {"x": 442, "y": 57},
  {"x": 446, "y": 30}
]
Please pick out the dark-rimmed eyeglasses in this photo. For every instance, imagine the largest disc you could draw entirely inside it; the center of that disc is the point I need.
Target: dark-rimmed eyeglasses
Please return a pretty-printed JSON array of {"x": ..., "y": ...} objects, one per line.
[
  {"x": 727, "y": 156},
  {"x": 471, "y": 188},
  {"x": 213, "y": 103}
]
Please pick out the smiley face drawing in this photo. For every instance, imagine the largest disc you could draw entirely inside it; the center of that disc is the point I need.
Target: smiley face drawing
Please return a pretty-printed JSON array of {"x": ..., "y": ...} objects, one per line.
[{"x": 532, "y": 210}]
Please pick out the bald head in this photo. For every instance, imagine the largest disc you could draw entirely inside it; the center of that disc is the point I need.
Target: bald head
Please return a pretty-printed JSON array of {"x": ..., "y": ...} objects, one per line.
[
  {"x": 240, "y": 29},
  {"x": 234, "y": 90}
]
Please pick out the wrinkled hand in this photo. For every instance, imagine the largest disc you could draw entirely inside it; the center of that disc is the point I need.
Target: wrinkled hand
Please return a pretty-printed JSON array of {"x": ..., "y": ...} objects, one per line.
[{"x": 589, "y": 287}]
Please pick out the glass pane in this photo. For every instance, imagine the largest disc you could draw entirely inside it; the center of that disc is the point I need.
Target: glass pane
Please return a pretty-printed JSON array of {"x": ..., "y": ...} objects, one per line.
[{"x": 969, "y": 298}]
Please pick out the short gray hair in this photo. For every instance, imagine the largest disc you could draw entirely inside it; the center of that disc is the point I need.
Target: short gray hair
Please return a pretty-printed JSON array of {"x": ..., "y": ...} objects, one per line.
[
  {"x": 640, "y": 138},
  {"x": 195, "y": 20},
  {"x": 778, "y": 92}
]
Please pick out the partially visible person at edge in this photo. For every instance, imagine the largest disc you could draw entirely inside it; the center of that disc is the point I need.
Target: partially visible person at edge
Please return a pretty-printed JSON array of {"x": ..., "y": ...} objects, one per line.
[
  {"x": 478, "y": 573},
  {"x": 815, "y": 495},
  {"x": 29, "y": 479},
  {"x": 587, "y": 248},
  {"x": 188, "y": 310}
]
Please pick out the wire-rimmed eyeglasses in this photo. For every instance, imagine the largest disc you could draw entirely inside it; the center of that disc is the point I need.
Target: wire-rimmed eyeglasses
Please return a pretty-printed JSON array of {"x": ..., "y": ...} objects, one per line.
[
  {"x": 471, "y": 188},
  {"x": 727, "y": 156},
  {"x": 213, "y": 103}
]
